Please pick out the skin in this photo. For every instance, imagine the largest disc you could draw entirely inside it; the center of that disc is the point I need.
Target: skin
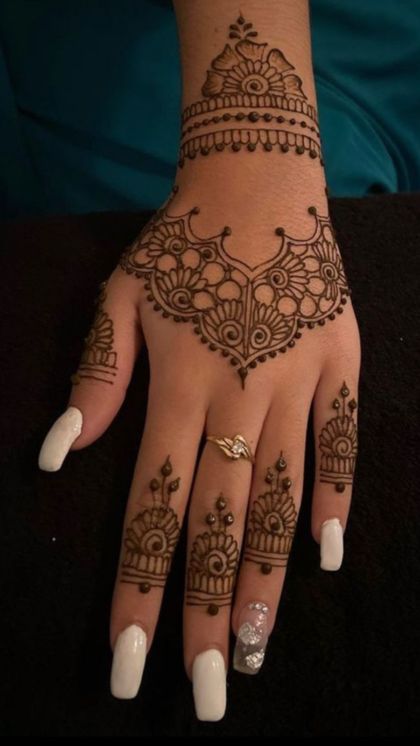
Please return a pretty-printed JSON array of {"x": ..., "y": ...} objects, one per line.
[{"x": 195, "y": 392}]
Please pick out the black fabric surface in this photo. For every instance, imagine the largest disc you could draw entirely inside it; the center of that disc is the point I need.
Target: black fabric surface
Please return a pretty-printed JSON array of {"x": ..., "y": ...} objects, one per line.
[{"x": 344, "y": 657}]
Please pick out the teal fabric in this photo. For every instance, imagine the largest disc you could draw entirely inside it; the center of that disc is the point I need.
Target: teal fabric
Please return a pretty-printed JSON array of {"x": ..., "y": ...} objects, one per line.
[{"x": 90, "y": 95}]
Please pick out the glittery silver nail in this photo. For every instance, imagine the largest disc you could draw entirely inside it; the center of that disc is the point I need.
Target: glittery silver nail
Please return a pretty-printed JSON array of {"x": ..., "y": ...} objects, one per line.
[{"x": 252, "y": 638}]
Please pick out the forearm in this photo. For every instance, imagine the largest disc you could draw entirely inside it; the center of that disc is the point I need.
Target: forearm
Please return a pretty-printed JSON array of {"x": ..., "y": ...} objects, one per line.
[
  {"x": 204, "y": 29},
  {"x": 249, "y": 101}
]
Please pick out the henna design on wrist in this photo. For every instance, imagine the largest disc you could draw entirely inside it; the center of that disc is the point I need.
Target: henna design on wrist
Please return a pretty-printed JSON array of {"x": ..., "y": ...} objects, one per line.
[
  {"x": 248, "y": 314},
  {"x": 213, "y": 562},
  {"x": 338, "y": 443},
  {"x": 272, "y": 522},
  {"x": 252, "y": 97},
  {"x": 151, "y": 537},
  {"x": 99, "y": 359}
]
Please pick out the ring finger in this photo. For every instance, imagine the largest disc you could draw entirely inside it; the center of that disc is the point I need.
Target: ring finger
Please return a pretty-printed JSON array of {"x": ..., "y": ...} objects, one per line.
[{"x": 273, "y": 513}]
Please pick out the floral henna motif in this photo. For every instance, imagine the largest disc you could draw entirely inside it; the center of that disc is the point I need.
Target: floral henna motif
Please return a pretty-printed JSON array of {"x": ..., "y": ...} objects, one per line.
[
  {"x": 272, "y": 522},
  {"x": 248, "y": 314},
  {"x": 338, "y": 443},
  {"x": 213, "y": 562},
  {"x": 152, "y": 536},
  {"x": 251, "y": 98},
  {"x": 99, "y": 359}
]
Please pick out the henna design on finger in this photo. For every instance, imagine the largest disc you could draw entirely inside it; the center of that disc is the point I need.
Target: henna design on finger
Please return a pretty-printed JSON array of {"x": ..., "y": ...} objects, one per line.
[
  {"x": 213, "y": 562},
  {"x": 151, "y": 537},
  {"x": 338, "y": 443},
  {"x": 272, "y": 522},
  {"x": 252, "y": 98},
  {"x": 99, "y": 359},
  {"x": 248, "y": 314}
]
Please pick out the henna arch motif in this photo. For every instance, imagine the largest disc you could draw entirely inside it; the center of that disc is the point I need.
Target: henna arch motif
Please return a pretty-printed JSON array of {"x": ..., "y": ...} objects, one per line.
[
  {"x": 152, "y": 536},
  {"x": 248, "y": 314},
  {"x": 99, "y": 358},
  {"x": 272, "y": 522},
  {"x": 338, "y": 443}
]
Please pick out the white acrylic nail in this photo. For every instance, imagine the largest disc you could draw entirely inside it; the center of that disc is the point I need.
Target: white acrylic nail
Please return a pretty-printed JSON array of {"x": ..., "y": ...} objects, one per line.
[
  {"x": 128, "y": 662},
  {"x": 209, "y": 685},
  {"x": 59, "y": 439},
  {"x": 332, "y": 548}
]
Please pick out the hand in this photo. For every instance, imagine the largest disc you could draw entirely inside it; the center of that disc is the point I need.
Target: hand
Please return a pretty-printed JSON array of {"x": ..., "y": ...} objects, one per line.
[
  {"x": 237, "y": 288},
  {"x": 248, "y": 354}
]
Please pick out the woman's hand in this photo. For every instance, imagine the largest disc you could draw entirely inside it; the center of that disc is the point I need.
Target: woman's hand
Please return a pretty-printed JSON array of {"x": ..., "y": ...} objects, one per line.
[
  {"x": 233, "y": 351},
  {"x": 237, "y": 288}
]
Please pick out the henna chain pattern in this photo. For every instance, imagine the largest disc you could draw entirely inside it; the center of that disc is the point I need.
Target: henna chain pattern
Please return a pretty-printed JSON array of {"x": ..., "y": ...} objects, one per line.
[
  {"x": 213, "y": 562},
  {"x": 272, "y": 522},
  {"x": 247, "y": 314},
  {"x": 338, "y": 443},
  {"x": 253, "y": 88},
  {"x": 99, "y": 359},
  {"x": 152, "y": 536}
]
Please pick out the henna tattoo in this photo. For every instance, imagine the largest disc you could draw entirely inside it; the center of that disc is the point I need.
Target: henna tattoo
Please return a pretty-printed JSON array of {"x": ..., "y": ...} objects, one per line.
[
  {"x": 99, "y": 359},
  {"x": 253, "y": 88},
  {"x": 248, "y": 314},
  {"x": 152, "y": 536},
  {"x": 213, "y": 562},
  {"x": 272, "y": 522},
  {"x": 338, "y": 443}
]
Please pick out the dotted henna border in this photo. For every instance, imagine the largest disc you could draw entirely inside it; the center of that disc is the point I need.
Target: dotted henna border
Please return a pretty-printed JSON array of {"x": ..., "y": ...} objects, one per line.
[
  {"x": 251, "y": 101},
  {"x": 249, "y": 138},
  {"x": 253, "y": 116}
]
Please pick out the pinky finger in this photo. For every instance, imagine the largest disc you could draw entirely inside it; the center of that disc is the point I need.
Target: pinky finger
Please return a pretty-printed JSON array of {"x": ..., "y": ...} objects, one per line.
[{"x": 335, "y": 428}]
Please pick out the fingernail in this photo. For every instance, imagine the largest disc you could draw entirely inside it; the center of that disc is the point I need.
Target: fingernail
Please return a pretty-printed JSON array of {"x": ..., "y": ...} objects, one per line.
[
  {"x": 331, "y": 544},
  {"x": 128, "y": 662},
  {"x": 252, "y": 638},
  {"x": 59, "y": 439},
  {"x": 209, "y": 685}
]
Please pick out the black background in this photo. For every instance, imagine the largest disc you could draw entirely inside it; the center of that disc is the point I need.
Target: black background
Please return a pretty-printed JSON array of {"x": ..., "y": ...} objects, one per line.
[{"x": 344, "y": 657}]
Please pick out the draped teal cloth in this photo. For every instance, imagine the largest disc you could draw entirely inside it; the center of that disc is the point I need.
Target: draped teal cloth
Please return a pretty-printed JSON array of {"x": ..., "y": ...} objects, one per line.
[{"x": 90, "y": 97}]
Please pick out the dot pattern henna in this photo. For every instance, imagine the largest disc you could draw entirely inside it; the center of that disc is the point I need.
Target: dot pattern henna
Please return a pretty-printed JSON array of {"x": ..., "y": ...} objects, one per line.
[
  {"x": 152, "y": 536},
  {"x": 246, "y": 314},
  {"x": 213, "y": 562},
  {"x": 99, "y": 359},
  {"x": 252, "y": 99},
  {"x": 272, "y": 522},
  {"x": 338, "y": 443}
]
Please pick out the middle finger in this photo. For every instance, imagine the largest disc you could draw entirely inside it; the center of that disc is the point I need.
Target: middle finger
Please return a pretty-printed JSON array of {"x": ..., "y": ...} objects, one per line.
[{"x": 215, "y": 531}]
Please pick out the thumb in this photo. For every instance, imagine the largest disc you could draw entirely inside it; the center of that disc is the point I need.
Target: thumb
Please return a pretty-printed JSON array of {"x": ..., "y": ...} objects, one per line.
[{"x": 103, "y": 375}]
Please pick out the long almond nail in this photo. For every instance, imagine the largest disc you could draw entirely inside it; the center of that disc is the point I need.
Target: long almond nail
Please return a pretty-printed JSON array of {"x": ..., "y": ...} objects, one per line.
[
  {"x": 128, "y": 662},
  {"x": 59, "y": 439},
  {"x": 252, "y": 638},
  {"x": 209, "y": 685},
  {"x": 332, "y": 548}
]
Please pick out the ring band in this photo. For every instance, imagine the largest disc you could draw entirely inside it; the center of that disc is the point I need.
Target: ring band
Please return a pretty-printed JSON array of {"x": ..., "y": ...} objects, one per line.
[{"x": 234, "y": 448}]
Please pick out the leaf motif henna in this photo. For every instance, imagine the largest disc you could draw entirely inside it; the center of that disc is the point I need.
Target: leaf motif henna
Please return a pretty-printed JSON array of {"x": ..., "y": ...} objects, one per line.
[
  {"x": 272, "y": 522},
  {"x": 338, "y": 443},
  {"x": 99, "y": 359},
  {"x": 152, "y": 536},
  {"x": 213, "y": 562},
  {"x": 252, "y": 97},
  {"x": 246, "y": 313}
]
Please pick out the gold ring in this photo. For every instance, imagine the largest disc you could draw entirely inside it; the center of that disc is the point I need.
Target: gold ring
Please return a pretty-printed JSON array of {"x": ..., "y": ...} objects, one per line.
[{"x": 234, "y": 448}]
